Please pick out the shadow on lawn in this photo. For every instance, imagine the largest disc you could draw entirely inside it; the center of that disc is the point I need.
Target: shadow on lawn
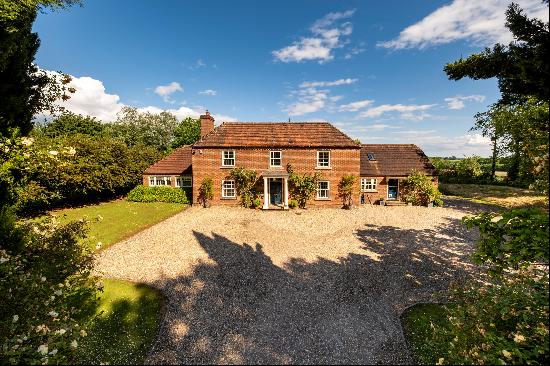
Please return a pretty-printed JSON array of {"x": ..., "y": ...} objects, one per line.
[
  {"x": 245, "y": 309},
  {"x": 124, "y": 333}
]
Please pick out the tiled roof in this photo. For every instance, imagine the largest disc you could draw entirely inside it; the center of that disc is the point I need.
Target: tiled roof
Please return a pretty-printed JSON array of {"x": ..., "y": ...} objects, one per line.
[
  {"x": 394, "y": 160},
  {"x": 178, "y": 162},
  {"x": 276, "y": 134}
]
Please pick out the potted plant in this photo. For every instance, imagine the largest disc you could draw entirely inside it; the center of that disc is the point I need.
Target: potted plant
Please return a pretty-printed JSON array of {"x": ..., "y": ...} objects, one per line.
[{"x": 382, "y": 203}]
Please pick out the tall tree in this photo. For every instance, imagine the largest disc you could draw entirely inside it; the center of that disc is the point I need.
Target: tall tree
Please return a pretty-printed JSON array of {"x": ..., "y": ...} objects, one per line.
[
  {"x": 521, "y": 67},
  {"x": 187, "y": 132},
  {"x": 25, "y": 89}
]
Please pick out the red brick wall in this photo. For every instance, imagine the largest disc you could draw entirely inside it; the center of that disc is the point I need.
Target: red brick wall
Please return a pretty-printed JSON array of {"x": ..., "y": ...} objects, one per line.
[
  {"x": 207, "y": 163},
  {"x": 382, "y": 189}
]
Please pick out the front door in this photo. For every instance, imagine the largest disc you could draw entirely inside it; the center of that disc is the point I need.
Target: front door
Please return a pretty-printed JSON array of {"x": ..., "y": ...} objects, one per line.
[
  {"x": 276, "y": 191},
  {"x": 393, "y": 187}
]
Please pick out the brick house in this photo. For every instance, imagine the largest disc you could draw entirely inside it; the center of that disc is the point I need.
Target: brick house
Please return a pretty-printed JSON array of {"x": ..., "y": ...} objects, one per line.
[{"x": 269, "y": 147}]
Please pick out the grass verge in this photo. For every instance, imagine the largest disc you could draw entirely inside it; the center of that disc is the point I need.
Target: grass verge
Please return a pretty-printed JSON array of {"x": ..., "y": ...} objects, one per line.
[
  {"x": 127, "y": 323},
  {"x": 502, "y": 196},
  {"x": 114, "y": 221},
  {"x": 417, "y": 321}
]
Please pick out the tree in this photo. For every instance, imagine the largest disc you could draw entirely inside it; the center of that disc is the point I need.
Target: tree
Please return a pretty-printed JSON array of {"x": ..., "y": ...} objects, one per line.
[
  {"x": 187, "y": 132},
  {"x": 521, "y": 67},
  {"x": 25, "y": 90},
  {"x": 520, "y": 130},
  {"x": 150, "y": 129},
  {"x": 346, "y": 188},
  {"x": 69, "y": 124}
]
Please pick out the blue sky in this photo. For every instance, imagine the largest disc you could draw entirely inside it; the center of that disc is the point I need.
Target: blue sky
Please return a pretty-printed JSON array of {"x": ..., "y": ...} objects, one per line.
[{"x": 374, "y": 69}]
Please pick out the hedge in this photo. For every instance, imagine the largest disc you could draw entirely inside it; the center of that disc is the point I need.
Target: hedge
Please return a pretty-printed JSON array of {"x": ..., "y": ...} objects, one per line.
[{"x": 157, "y": 194}]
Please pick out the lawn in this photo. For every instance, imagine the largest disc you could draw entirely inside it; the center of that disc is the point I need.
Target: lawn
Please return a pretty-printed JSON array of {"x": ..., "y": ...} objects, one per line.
[
  {"x": 113, "y": 221},
  {"x": 417, "y": 322},
  {"x": 503, "y": 196},
  {"x": 126, "y": 326}
]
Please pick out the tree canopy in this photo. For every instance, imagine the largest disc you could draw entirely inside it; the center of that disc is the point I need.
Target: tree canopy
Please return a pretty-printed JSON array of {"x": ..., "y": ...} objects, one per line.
[{"x": 520, "y": 67}]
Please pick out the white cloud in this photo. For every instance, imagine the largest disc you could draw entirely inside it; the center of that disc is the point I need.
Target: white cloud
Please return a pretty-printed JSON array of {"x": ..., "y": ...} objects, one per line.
[
  {"x": 315, "y": 84},
  {"x": 91, "y": 99},
  {"x": 481, "y": 22},
  {"x": 327, "y": 35},
  {"x": 208, "y": 92},
  {"x": 405, "y": 110},
  {"x": 309, "y": 100},
  {"x": 457, "y": 102},
  {"x": 434, "y": 144},
  {"x": 166, "y": 90},
  {"x": 355, "y": 106}
]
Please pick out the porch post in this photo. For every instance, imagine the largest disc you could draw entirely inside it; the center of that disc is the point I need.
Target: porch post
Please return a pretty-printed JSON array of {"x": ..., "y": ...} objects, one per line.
[
  {"x": 286, "y": 192},
  {"x": 266, "y": 206}
]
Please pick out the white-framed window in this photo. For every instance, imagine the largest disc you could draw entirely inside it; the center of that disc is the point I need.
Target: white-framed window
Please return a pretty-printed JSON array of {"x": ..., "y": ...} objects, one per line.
[
  {"x": 323, "y": 189},
  {"x": 184, "y": 182},
  {"x": 228, "y": 189},
  {"x": 228, "y": 158},
  {"x": 368, "y": 184},
  {"x": 275, "y": 159},
  {"x": 323, "y": 159},
  {"x": 160, "y": 181}
]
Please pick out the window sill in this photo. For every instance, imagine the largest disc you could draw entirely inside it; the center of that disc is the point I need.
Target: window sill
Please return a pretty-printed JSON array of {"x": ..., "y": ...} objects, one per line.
[
  {"x": 227, "y": 166},
  {"x": 370, "y": 191},
  {"x": 324, "y": 167},
  {"x": 228, "y": 198},
  {"x": 323, "y": 199}
]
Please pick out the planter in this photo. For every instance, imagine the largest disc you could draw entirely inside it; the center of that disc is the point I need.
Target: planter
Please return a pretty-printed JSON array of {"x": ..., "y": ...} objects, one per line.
[
  {"x": 431, "y": 204},
  {"x": 207, "y": 204},
  {"x": 382, "y": 203},
  {"x": 409, "y": 203}
]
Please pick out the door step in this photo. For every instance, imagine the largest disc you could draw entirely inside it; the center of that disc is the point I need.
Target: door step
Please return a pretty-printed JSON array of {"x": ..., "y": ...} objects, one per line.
[{"x": 395, "y": 203}]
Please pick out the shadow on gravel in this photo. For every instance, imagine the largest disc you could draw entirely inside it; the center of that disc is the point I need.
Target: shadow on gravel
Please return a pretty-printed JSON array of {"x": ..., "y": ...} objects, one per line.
[
  {"x": 467, "y": 206},
  {"x": 245, "y": 309}
]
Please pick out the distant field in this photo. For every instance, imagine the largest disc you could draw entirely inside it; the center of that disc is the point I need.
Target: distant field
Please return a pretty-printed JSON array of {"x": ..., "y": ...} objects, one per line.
[
  {"x": 113, "y": 221},
  {"x": 509, "y": 197}
]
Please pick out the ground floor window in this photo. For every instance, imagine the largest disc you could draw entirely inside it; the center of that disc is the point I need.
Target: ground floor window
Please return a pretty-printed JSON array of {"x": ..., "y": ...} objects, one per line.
[
  {"x": 368, "y": 184},
  {"x": 228, "y": 189},
  {"x": 184, "y": 182},
  {"x": 323, "y": 189},
  {"x": 160, "y": 181}
]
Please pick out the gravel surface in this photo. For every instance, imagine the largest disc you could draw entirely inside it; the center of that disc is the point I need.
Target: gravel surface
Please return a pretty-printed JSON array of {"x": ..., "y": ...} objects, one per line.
[{"x": 306, "y": 287}]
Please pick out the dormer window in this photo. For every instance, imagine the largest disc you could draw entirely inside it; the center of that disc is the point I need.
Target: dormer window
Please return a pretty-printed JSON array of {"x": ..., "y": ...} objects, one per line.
[
  {"x": 371, "y": 157},
  {"x": 228, "y": 158}
]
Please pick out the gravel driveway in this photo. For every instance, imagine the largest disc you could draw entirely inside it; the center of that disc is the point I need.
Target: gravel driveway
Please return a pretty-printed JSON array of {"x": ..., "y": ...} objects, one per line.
[{"x": 314, "y": 286}]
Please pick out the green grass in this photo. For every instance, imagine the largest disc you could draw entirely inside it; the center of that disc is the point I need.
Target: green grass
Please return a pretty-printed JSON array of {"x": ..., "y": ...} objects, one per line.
[
  {"x": 113, "y": 221},
  {"x": 502, "y": 196},
  {"x": 127, "y": 323},
  {"x": 417, "y": 322}
]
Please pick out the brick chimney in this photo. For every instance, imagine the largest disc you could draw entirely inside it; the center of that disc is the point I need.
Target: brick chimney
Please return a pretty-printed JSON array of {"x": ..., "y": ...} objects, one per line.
[{"x": 207, "y": 124}]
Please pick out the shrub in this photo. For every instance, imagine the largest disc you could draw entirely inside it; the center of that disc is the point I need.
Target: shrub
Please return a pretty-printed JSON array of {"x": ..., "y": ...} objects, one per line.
[
  {"x": 256, "y": 202},
  {"x": 157, "y": 194},
  {"x": 504, "y": 322},
  {"x": 302, "y": 187},
  {"x": 511, "y": 239},
  {"x": 245, "y": 181},
  {"x": 419, "y": 189},
  {"x": 77, "y": 169},
  {"x": 206, "y": 191},
  {"x": 345, "y": 189},
  {"x": 293, "y": 203},
  {"x": 48, "y": 294}
]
